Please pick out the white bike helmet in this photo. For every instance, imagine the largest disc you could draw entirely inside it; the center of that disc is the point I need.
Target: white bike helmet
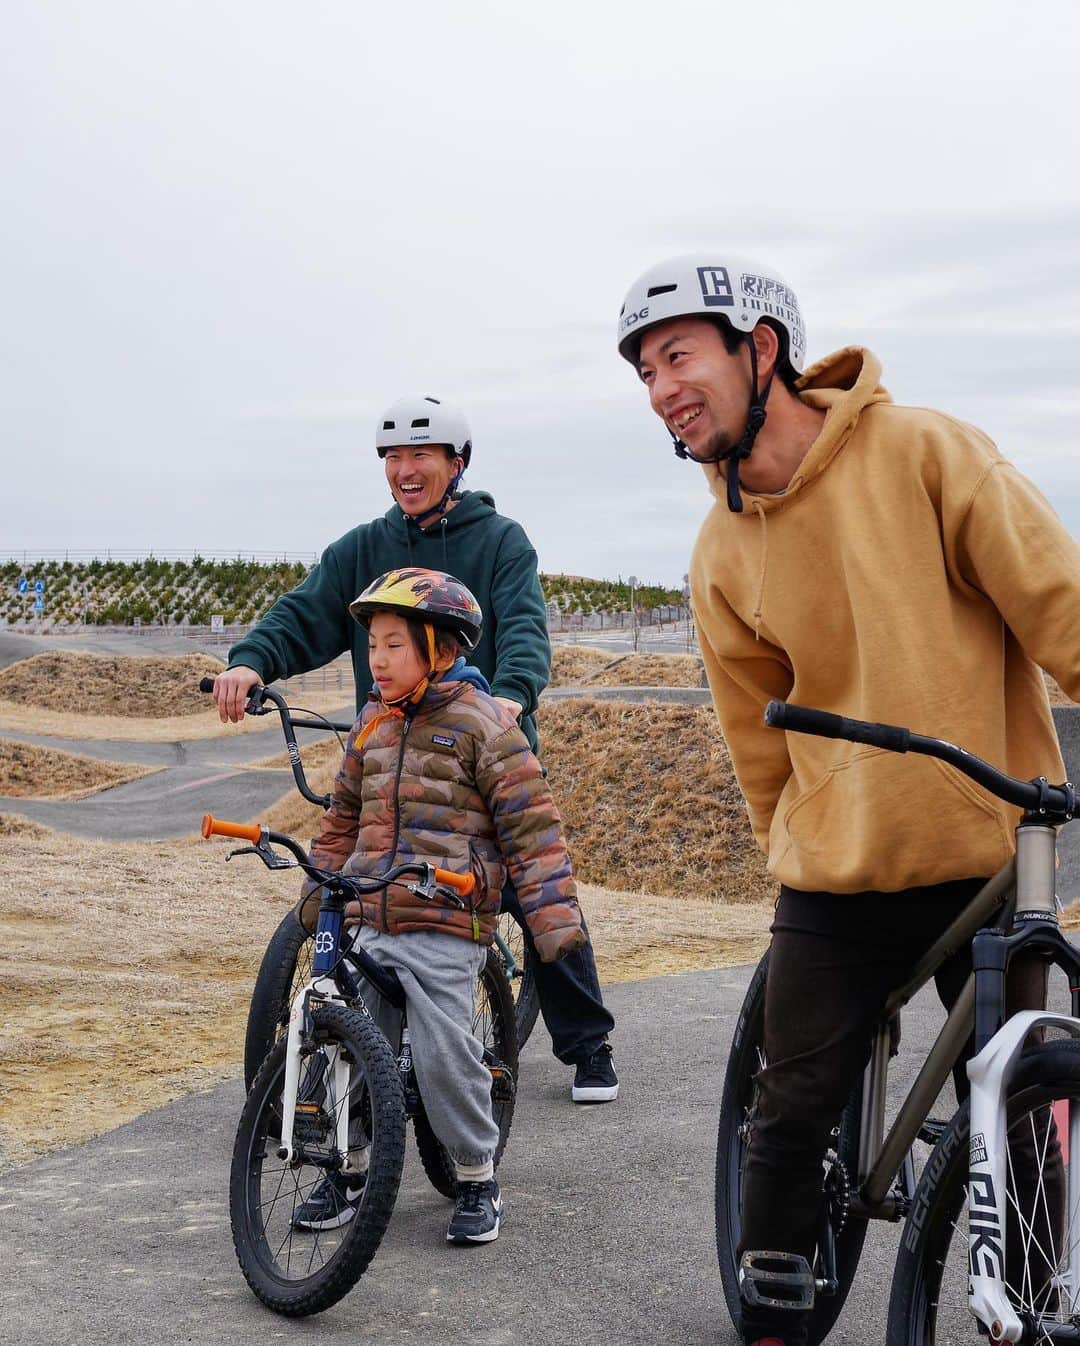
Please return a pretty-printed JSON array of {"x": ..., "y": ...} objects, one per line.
[
  {"x": 423, "y": 420},
  {"x": 712, "y": 285},
  {"x": 717, "y": 286}
]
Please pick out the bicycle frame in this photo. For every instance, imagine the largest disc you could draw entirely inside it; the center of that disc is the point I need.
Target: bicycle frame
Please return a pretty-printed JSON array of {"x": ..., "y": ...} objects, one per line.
[
  {"x": 1030, "y": 878},
  {"x": 998, "y": 1045}
]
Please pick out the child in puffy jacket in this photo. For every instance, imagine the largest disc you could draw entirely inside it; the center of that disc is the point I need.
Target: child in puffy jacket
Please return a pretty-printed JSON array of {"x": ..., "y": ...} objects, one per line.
[{"x": 435, "y": 769}]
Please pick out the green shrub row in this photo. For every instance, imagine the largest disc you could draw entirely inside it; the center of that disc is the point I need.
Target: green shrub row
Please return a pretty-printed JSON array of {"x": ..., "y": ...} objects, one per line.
[{"x": 104, "y": 592}]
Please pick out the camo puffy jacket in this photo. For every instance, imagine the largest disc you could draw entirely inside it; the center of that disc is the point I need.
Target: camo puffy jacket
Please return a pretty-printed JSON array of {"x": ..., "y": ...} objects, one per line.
[{"x": 454, "y": 783}]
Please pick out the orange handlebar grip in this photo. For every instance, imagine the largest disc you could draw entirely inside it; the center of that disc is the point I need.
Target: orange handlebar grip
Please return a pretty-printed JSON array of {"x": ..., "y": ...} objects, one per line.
[
  {"x": 215, "y": 827},
  {"x": 461, "y": 883}
]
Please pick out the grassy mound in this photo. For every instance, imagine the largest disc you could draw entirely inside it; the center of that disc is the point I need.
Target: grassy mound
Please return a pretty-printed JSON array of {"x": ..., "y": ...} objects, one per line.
[
  {"x": 649, "y": 800},
  {"x": 27, "y": 771},
  {"x": 100, "y": 684},
  {"x": 578, "y": 666},
  {"x": 12, "y": 825}
]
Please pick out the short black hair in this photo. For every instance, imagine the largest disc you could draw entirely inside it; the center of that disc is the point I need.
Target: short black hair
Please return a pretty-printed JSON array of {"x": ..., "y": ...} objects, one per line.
[{"x": 446, "y": 643}]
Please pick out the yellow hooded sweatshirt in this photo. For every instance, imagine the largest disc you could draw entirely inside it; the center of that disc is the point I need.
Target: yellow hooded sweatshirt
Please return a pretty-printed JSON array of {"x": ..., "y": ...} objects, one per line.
[{"x": 908, "y": 575}]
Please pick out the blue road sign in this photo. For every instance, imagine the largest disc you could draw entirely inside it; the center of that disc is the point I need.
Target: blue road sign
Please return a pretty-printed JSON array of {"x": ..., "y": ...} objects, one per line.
[
  {"x": 39, "y": 586},
  {"x": 39, "y": 604},
  {"x": 24, "y": 584}
]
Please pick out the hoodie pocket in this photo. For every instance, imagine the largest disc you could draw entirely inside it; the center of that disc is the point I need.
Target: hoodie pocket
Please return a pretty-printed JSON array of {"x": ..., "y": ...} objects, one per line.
[{"x": 886, "y": 821}]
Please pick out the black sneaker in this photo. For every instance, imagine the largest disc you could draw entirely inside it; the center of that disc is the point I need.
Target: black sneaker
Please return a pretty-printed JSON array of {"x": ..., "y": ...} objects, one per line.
[
  {"x": 595, "y": 1080},
  {"x": 332, "y": 1203},
  {"x": 476, "y": 1214}
]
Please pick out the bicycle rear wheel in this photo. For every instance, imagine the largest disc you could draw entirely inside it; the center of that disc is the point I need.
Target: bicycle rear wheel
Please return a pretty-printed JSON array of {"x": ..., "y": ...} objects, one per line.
[
  {"x": 493, "y": 1026},
  {"x": 298, "y": 1271},
  {"x": 286, "y": 966},
  {"x": 737, "y": 1111},
  {"x": 929, "y": 1301},
  {"x": 523, "y": 981}
]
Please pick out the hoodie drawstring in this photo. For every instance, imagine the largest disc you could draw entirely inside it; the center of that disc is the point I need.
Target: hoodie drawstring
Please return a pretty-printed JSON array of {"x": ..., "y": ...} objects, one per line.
[{"x": 759, "y": 603}]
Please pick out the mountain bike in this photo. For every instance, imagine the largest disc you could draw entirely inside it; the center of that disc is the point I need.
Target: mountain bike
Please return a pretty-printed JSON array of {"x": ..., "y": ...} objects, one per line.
[
  {"x": 286, "y": 965},
  {"x": 335, "y": 1092},
  {"x": 1011, "y": 1270}
]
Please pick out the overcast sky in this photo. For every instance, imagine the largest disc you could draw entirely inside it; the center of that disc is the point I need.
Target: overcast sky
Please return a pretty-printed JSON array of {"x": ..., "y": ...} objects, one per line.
[{"x": 232, "y": 233}]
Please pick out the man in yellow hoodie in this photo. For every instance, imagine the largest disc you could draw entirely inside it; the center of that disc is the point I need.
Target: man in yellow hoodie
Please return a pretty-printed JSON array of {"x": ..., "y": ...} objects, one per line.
[{"x": 888, "y": 564}]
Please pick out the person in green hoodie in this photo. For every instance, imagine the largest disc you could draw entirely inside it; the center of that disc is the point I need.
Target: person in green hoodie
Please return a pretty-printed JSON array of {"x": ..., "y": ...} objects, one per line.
[
  {"x": 425, "y": 447},
  {"x": 884, "y": 563}
]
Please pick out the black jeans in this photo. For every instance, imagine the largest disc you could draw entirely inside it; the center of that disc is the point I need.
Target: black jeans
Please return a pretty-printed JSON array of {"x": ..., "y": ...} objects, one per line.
[
  {"x": 834, "y": 960},
  {"x": 569, "y": 991}
]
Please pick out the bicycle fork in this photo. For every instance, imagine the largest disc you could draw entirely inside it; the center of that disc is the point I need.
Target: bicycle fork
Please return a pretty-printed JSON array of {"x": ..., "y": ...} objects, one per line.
[
  {"x": 990, "y": 1071},
  {"x": 336, "y": 1071}
]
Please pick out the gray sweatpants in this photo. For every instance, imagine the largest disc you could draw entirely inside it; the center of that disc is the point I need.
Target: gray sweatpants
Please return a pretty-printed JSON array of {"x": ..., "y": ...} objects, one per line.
[{"x": 438, "y": 974}]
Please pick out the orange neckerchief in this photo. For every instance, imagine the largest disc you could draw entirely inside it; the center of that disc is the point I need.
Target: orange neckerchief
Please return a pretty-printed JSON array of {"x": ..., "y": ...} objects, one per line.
[{"x": 399, "y": 704}]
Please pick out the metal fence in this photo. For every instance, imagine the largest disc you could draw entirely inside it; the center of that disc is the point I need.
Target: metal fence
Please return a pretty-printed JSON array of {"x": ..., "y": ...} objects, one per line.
[{"x": 111, "y": 554}]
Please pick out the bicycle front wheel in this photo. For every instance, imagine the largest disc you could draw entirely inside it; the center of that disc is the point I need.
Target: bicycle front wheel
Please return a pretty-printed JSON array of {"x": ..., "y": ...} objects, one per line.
[
  {"x": 286, "y": 966},
  {"x": 296, "y": 1261},
  {"x": 493, "y": 1026},
  {"x": 738, "y": 1109},
  {"x": 929, "y": 1302}
]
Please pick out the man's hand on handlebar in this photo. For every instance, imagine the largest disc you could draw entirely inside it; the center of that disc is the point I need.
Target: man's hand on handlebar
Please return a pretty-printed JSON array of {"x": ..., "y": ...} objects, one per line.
[{"x": 231, "y": 690}]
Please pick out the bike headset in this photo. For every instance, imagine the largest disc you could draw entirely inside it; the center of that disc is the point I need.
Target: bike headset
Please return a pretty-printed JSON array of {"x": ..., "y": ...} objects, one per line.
[
  {"x": 416, "y": 420},
  {"x": 734, "y": 291},
  {"x": 435, "y": 599}
]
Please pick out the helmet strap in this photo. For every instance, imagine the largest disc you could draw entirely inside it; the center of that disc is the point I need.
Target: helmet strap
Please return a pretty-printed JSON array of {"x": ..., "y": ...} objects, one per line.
[{"x": 735, "y": 455}]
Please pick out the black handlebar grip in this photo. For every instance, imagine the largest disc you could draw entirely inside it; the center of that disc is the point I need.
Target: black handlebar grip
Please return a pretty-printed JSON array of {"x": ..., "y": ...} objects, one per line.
[
  {"x": 206, "y": 684},
  {"x": 804, "y": 720}
]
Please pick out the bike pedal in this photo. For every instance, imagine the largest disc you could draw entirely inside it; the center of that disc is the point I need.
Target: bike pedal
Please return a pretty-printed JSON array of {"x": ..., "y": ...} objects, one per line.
[
  {"x": 312, "y": 1124},
  {"x": 503, "y": 1088},
  {"x": 774, "y": 1280}
]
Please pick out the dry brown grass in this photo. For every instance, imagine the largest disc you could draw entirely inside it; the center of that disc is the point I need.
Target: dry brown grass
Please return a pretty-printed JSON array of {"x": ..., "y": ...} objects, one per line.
[
  {"x": 572, "y": 664},
  {"x": 131, "y": 686},
  {"x": 13, "y": 825},
  {"x": 580, "y": 666},
  {"x": 29, "y": 772},
  {"x": 650, "y": 670},
  {"x": 125, "y": 977},
  {"x": 649, "y": 800}
]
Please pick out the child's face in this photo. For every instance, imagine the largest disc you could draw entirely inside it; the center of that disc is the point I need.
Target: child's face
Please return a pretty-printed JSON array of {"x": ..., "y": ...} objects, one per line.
[{"x": 395, "y": 664}]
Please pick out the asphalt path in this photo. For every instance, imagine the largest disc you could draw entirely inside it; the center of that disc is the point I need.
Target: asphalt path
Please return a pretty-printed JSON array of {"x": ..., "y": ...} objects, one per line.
[
  {"x": 198, "y": 776},
  {"x": 608, "y": 1235}
]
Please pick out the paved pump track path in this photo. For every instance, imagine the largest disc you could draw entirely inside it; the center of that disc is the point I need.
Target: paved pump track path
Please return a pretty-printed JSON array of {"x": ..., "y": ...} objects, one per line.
[{"x": 607, "y": 1241}]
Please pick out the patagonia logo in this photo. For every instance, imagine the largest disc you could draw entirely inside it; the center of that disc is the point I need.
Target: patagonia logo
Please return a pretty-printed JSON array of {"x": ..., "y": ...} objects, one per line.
[{"x": 443, "y": 739}]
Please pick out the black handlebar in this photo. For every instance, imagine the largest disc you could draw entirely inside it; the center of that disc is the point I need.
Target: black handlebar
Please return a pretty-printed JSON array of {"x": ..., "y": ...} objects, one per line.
[
  {"x": 257, "y": 696},
  {"x": 803, "y": 720},
  {"x": 1056, "y": 802}
]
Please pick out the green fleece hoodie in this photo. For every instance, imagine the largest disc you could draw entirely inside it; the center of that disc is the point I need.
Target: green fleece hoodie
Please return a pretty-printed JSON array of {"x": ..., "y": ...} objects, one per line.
[
  {"x": 908, "y": 575},
  {"x": 487, "y": 552}
]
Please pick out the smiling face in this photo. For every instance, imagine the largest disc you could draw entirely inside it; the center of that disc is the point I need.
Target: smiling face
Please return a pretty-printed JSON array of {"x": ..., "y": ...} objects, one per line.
[
  {"x": 696, "y": 386},
  {"x": 395, "y": 661},
  {"x": 420, "y": 476}
]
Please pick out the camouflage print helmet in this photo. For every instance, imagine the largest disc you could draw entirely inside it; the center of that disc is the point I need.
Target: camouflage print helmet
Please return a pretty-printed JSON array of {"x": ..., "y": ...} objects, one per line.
[{"x": 429, "y": 596}]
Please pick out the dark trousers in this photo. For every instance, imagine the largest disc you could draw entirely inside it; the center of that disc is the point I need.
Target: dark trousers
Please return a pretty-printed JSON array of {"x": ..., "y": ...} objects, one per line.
[
  {"x": 834, "y": 960},
  {"x": 570, "y": 1000}
]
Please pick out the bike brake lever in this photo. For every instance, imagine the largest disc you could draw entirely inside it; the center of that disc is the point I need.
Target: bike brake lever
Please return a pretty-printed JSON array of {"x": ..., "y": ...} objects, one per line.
[
  {"x": 256, "y": 703},
  {"x": 269, "y": 858},
  {"x": 429, "y": 891}
]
